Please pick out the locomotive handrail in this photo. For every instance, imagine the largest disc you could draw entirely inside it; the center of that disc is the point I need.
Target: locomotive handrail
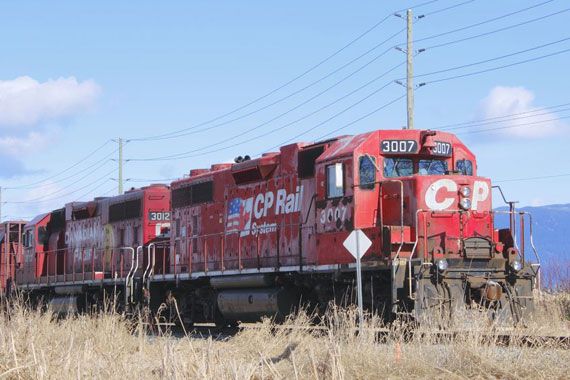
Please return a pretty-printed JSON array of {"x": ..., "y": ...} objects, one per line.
[
  {"x": 147, "y": 270},
  {"x": 514, "y": 236},
  {"x": 512, "y": 226},
  {"x": 538, "y": 277},
  {"x": 132, "y": 250},
  {"x": 74, "y": 270},
  {"x": 531, "y": 235},
  {"x": 309, "y": 210},
  {"x": 512, "y": 209},
  {"x": 531, "y": 238}
]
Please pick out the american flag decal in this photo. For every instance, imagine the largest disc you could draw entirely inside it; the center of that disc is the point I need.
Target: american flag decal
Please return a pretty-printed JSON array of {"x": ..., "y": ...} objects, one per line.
[{"x": 234, "y": 218}]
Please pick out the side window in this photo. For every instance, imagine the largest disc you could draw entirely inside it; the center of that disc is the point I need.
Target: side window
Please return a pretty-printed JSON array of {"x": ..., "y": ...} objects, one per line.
[
  {"x": 367, "y": 172},
  {"x": 398, "y": 167},
  {"x": 464, "y": 167},
  {"x": 335, "y": 180},
  {"x": 27, "y": 239}
]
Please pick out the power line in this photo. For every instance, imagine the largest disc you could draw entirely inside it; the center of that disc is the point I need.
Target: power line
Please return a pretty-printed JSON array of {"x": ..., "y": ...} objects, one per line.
[
  {"x": 491, "y": 59},
  {"x": 294, "y": 93},
  {"x": 447, "y": 8},
  {"x": 87, "y": 174},
  {"x": 184, "y": 154},
  {"x": 43, "y": 199},
  {"x": 501, "y": 121},
  {"x": 345, "y": 125},
  {"x": 499, "y": 67},
  {"x": 179, "y": 132},
  {"x": 452, "y": 78},
  {"x": 496, "y": 30},
  {"x": 273, "y": 130},
  {"x": 33, "y": 184},
  {"x": 516, "y": 125},
  {"x": 533, "y": 178},
  {"x": 191, "y": 130},
  {"x": 188, "y": 154},
  {"x": 448, "y": 126},
  {"x": 104, "y": 160},
  {"x": 481, "y": 22}
]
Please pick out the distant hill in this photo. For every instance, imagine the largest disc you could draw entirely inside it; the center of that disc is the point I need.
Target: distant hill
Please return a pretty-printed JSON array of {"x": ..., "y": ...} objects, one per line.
[{"x": 551, "y": 232}]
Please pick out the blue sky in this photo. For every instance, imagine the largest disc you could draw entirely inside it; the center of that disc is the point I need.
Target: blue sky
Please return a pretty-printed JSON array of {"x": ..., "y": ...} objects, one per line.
[{"x": 75, "y": 74}]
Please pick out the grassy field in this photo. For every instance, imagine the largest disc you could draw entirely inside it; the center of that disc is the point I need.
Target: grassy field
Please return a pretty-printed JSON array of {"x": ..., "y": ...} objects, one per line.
[{"x": 35, "y": 345}]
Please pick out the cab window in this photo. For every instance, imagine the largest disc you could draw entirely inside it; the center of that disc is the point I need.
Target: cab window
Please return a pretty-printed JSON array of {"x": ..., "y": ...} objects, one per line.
[
  {"x": 335, "y": 180},
  {"x": 432, "y": 167},
  {"x": 367, "y": 172},
  {"x": 398, "y": 167},
  {"x": 464, "y": 167},
  {"x": 28, "y": 238}
]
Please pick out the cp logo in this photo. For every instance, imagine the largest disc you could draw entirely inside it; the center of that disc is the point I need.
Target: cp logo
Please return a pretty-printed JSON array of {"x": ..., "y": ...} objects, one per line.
[{"x": 443, "y": 193}]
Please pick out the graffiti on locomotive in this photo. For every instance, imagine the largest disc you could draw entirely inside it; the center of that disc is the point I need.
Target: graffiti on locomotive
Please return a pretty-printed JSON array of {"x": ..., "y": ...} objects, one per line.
[
  {"x": 249, "y": 216},
  {"x": 83, "y": 236}
]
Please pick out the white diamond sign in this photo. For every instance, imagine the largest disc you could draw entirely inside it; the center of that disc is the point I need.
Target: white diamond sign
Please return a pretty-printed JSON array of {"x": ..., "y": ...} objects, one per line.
[{"x": 357, "y": 243}]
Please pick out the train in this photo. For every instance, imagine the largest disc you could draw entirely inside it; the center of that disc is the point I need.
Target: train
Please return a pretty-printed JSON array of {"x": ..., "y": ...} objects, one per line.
[{"x": 263, "y": 237}]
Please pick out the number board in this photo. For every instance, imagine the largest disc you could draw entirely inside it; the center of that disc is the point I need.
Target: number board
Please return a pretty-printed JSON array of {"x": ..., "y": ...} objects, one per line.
[
  {"x": 399, "y": 146},
  {"x": 441, "y": 149},
  {"x": 158, "y": 216}
]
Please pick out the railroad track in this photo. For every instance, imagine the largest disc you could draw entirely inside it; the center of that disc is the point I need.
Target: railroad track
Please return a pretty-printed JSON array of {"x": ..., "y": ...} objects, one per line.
[{"x": 385, "y": 335}]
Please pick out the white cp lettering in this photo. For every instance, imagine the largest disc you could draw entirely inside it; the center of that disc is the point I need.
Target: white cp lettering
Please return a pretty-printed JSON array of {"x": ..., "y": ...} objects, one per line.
[
  {"x": 480, "y": 193},
  {"x": 431, "y": 194}
]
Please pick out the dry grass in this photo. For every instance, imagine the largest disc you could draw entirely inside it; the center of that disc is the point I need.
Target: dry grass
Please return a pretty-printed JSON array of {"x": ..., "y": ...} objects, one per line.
[{"x": 35, "y": 345}]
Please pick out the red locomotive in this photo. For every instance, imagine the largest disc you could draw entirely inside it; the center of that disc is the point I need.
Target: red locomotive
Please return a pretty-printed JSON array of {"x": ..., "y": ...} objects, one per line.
[
  {"x": 261, "y": 236},
  {"x": 90, "y": 243}
]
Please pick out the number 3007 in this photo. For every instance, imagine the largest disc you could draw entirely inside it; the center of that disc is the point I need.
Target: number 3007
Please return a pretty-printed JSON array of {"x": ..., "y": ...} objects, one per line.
[
  {"x": 399, "y": 146},
  {"x": 442, "y": 148}
]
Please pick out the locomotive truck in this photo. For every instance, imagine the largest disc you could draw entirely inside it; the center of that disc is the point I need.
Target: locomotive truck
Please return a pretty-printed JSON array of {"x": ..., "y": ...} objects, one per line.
[{"x": 263, "y": 236}]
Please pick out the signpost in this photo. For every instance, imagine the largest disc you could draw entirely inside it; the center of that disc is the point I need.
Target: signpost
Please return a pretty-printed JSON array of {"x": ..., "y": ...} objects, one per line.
[{"x": 357, "y": 243}]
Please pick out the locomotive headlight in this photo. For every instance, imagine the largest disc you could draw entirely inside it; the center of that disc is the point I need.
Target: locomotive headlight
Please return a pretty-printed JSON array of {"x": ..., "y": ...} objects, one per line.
[
  {"x": 465, "y": 203},
  {"x": 516, "y": 265},
  {"x": 442, "y": 264},
  {"x": 465, "y": 191}
]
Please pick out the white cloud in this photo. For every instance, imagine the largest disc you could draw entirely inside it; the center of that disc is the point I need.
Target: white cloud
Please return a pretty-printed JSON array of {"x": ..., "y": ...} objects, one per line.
[
  {"x": 18, "y": 145},
  {"x": 504, "y": 101},
  {"x": 25, "y": 102}
]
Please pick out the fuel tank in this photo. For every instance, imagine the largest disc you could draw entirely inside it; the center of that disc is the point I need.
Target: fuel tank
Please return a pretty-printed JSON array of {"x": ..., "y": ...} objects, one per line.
[{"x": 250, "y": 305}]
